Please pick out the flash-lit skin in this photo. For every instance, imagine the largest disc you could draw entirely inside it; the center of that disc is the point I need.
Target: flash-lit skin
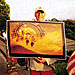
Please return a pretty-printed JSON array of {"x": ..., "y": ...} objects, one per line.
[{"x": 40, "y": 17}]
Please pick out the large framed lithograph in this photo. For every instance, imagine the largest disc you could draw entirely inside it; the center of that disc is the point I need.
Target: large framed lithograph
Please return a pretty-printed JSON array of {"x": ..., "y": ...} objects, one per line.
[{"x": 36, "y": 39}]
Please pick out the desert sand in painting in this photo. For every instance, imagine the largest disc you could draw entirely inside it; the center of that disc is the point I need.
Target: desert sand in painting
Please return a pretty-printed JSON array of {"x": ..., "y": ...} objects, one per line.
[{"x": 49, "y": 44}]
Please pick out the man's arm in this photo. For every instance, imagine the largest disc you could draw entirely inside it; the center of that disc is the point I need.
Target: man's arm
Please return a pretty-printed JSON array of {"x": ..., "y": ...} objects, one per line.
[{"x": 50, "y": 60}]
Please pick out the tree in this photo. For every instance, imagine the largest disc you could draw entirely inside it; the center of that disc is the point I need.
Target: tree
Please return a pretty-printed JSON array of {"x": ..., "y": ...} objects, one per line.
[
  {"x": 4, "y": 14},
  {"x": 54, "y": 19},
  {"x": 70, "y": 28}
]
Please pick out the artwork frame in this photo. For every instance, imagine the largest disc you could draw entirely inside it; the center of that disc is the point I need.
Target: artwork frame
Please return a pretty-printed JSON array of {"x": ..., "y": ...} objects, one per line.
[{"x": 13, "y": 54}]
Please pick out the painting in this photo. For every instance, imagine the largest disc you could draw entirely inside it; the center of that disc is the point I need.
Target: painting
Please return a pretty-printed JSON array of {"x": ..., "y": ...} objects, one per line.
[{"x": 36, "y": 39}]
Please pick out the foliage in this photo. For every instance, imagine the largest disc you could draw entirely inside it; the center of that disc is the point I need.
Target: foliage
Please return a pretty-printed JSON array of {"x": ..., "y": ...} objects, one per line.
[
  {"x": 54, "y": 19},
  {"x": 4, "y": 14},
  {"x": 60, "y": 68},
  {"x": 70, "y": 28}
]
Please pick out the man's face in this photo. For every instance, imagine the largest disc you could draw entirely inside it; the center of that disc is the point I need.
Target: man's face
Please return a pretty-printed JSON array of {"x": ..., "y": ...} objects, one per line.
[{"x": 40, "y": 15}]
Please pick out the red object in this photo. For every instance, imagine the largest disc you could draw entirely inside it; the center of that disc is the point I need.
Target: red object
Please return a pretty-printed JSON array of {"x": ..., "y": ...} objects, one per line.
[
  {"x": 22, "y": 32},
  {"x": 73, "y": 74},
  {"x": 50, "y": 72},
  {"x": 11, "y": 62},
  {"x": 27, "y": 41},
  {"x": 16, "y": 40},
  {"x": 21, "y": 38},
  {"x": 71, "y": 63},
  {"x": 17, "y": 35}
]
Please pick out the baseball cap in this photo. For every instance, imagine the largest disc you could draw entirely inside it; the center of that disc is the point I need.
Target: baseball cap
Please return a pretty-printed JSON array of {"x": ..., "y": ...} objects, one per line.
[{"x": 40, "y": 9}]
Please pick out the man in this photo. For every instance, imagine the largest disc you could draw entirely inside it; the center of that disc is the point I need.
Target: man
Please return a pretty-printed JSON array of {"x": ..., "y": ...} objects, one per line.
[{"x": 41, "y": 66}]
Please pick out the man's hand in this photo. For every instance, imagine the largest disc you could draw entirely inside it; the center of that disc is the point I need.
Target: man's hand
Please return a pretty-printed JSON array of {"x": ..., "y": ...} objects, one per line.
[{"x": 40, "y": 60}]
